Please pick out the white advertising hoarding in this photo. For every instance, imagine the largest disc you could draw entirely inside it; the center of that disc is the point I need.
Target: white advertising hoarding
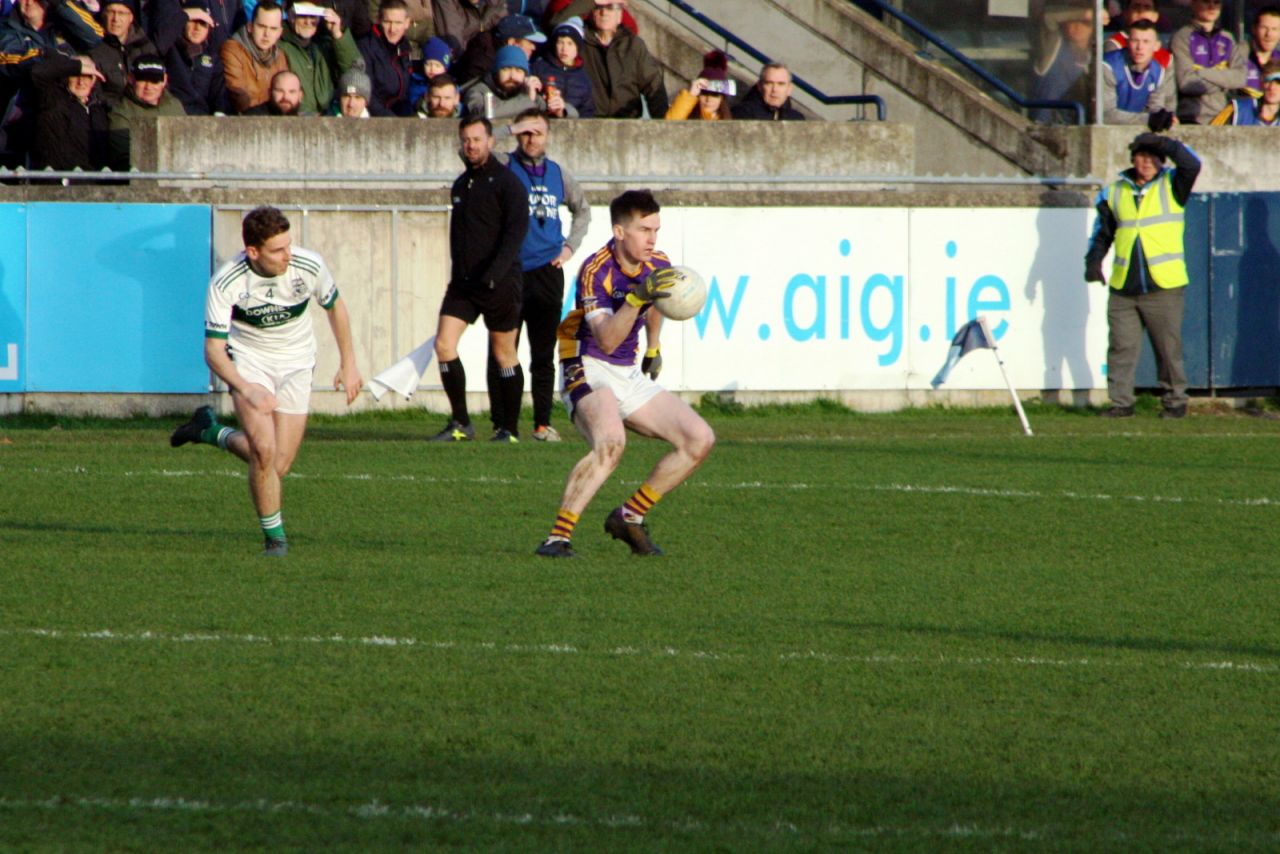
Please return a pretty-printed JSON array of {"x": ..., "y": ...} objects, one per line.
[{"x": 815, "y": 299}]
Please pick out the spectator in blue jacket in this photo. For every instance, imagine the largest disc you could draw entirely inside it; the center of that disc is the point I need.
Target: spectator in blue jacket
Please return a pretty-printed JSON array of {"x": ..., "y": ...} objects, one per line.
[
  {"x": 561, "y": 69},
  {"x": 196, "y": 77},
  {"x": 388, "y": 60}
]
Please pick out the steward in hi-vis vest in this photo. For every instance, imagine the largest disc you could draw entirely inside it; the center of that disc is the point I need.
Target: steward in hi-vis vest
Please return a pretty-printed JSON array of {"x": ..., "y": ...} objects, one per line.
[{"x": 1141, "y": 215}]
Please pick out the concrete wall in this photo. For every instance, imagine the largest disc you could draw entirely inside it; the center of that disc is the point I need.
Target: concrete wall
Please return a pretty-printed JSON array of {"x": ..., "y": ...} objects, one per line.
[{"x": 594, "y": 150}]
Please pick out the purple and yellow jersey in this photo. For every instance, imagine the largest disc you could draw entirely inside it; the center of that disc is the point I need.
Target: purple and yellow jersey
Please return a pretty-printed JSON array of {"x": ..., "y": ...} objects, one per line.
[{"x": 603, "y": 286}]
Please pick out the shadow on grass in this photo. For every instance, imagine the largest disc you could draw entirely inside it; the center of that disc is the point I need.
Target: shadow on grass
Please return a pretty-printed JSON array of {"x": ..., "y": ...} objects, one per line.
[
  {"x": 1121, "y": 643},
  {"x": 376, "y": 794}
]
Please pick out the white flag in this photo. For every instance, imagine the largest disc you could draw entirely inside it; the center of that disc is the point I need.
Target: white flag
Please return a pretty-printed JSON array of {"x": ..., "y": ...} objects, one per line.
[{"x": 403, "y": 377}]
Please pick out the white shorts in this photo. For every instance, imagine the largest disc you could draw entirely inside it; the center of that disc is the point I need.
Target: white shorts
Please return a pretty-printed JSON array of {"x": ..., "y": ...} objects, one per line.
[
  {"x": 292, "y": 387},
  {"x": 629, "y": 384}
]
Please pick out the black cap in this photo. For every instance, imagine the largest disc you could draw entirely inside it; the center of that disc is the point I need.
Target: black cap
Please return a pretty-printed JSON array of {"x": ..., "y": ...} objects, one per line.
[{"x": 148, "y": 67}]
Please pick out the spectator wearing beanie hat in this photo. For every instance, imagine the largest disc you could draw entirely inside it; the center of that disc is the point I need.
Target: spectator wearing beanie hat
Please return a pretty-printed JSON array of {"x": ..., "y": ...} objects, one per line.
[
  {"x": 513, "y": 90},
  {"x": 560, "y": 68},
  {"x": 477, "y": 59},
  {"x": 354, "y": 91},
  {"x": 709, "y": 92},
  {"x": 437, "y": 56}
]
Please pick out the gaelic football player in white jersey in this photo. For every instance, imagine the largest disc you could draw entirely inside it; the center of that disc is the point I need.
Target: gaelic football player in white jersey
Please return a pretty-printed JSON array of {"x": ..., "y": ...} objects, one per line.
[{"x": 258, "y": 339}]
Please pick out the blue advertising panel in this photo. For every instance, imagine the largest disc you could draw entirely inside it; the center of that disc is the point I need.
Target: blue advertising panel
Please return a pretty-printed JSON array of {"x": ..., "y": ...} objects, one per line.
[
  {"x": 116, "y": 297},
  {"x": 13, "y": 299}
]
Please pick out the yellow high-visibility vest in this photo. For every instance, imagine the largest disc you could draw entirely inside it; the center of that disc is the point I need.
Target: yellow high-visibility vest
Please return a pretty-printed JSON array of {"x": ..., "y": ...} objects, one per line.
[{"x": 1157, "y": 221}]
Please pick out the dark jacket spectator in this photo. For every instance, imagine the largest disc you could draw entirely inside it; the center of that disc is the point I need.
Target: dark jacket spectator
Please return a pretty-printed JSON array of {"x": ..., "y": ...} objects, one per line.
[
  {"x": 477, "y": 59},
  {"x": 624, "y": 76},
  {"x": 71, "y": 126},
  {"x": 169, "y": 19},
  {"x": 355, "y": 17},
  {"x": 421, "y": 20},
  {"x": 196, "y": 76},
  {"x": 773, "y": 105},
  {"x": 389, "y": 67},
  {"x": 114, "y": 54},
  {"x": 146, "y": 100},
  {"x": 31, "y": 32},
  {"x": 559, "y": 11},
  {"x": 462, "y": 19},
  {"x": 561, "y": 68}
]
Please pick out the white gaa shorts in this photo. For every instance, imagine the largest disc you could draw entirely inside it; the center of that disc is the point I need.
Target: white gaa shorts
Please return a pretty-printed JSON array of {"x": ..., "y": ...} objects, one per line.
[
  {"x": 629, "y": 384},
  {"x": 292, "y": 387}
]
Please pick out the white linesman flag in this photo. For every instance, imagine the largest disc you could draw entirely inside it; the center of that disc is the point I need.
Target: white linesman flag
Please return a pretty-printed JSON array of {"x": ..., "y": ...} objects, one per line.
[
  {"x": 971, "y": 336},
  {"x": 403, "y": 377}
]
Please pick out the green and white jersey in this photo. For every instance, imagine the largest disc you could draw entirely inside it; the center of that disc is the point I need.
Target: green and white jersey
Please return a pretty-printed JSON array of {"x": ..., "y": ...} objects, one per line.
[{"x": 265, "y": 319}]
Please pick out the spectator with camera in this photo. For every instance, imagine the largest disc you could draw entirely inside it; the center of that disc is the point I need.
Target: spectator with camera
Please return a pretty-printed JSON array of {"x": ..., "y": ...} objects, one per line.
[
  {"x": 1135, "y": 88},
  {"x": 770, "y": 98},
  {"x": 707, "y": 97},
  {"x": 319, "y": 50}
]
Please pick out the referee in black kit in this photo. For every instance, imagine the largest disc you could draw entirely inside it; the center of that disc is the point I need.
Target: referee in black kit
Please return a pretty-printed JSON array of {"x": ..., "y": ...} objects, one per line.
[{"x": 488, "y": 225}]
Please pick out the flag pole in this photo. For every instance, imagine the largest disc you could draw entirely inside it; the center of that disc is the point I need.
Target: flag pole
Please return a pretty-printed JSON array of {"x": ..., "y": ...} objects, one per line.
[{"x": 1017, "y": 404}]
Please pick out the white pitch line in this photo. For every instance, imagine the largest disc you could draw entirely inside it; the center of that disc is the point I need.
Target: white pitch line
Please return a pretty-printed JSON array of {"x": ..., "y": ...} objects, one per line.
[
  {"x": 568, "y": 649},
  {"x": 786, "y": 486},
  {"x": 377, "y": 810}
]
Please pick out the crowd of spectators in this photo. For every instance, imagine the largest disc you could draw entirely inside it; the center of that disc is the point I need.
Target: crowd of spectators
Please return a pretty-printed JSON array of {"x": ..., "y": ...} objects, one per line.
[
  {"x": 76, "y": 76},
  {"x": 1159, "y": 75}
]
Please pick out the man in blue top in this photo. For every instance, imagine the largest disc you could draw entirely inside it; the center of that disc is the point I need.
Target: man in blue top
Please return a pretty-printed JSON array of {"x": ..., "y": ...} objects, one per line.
[
  {"x": 607, "y": 393},
  {"x": 542, "y": 258},
  {"x": 1134, "y": 87}
]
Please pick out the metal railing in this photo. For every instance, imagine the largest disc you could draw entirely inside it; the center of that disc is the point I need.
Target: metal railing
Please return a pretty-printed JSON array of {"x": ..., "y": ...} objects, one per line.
[
  {"x": 444, "y": 180},
  {"x": 971, "y": 66},
  {"x": 805, "y": 86}
]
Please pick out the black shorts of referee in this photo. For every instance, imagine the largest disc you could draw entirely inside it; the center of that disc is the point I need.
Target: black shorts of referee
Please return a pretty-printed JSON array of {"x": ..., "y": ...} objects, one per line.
[{"x": 499, "y": 305}]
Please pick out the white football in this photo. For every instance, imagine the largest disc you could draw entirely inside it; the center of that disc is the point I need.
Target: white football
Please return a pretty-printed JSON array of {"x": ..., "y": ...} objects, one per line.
[{"x": 688, "y": 293}]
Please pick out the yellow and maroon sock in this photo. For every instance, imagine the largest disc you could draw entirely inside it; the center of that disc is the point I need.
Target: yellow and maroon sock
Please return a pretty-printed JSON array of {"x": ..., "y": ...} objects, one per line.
[
  {"x": 640, "y": 503},
  {"x": 563, "y": 528}
]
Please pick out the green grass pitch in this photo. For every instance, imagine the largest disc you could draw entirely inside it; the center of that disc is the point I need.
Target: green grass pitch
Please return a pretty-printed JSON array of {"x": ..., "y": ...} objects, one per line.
[{"x": 909, "y": 632}]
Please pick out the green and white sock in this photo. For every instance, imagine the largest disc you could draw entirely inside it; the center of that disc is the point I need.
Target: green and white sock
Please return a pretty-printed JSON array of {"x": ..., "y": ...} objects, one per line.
[
  {"x": 222, "y": 437},
  {"x": 273, "y": 525}
]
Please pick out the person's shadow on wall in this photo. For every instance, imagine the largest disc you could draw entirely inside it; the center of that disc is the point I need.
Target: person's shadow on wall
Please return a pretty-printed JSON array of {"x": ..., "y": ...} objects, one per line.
[{"x": 1065, "y": 298}]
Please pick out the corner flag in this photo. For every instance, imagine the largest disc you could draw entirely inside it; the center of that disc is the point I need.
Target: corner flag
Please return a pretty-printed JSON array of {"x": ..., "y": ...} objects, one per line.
[
  {"x": 403, "y": 377},
  {"x": 974, "y": 335},
  {"x": 971, "y": 336}
]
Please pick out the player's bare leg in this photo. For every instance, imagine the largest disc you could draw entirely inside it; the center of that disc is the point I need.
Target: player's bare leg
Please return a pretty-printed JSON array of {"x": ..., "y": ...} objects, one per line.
[
  {"x": 597, "y": 419},
  {"x": 669, "y": 418},
  {"x": 256, "y": 411}
]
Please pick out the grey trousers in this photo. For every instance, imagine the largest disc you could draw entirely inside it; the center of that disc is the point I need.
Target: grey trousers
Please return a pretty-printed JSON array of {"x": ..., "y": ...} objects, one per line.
[{"x": 1161, "y": 313}]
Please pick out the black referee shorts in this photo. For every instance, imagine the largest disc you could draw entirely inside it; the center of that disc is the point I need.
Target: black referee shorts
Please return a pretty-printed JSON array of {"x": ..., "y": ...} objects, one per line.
[{"x": 499, "y": 307}]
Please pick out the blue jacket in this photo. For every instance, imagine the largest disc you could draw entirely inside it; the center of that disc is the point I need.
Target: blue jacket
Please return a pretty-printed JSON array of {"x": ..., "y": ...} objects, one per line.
[
  {"x": 1132, "y": 92},
  {"x": 573, "y": 83}
]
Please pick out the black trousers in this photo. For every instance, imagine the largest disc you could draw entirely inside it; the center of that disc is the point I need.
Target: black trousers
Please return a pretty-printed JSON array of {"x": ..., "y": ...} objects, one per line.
[{"x": 543, "y": 301}]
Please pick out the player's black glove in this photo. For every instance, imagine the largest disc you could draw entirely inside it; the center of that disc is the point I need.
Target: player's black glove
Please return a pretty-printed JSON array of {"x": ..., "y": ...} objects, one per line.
[
  {"x": 1093, "y": 272},
  {"x": 651, "y": 364},
  {"x": 1160, "y": 121},
  {"x": 652, "y": 288}
]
